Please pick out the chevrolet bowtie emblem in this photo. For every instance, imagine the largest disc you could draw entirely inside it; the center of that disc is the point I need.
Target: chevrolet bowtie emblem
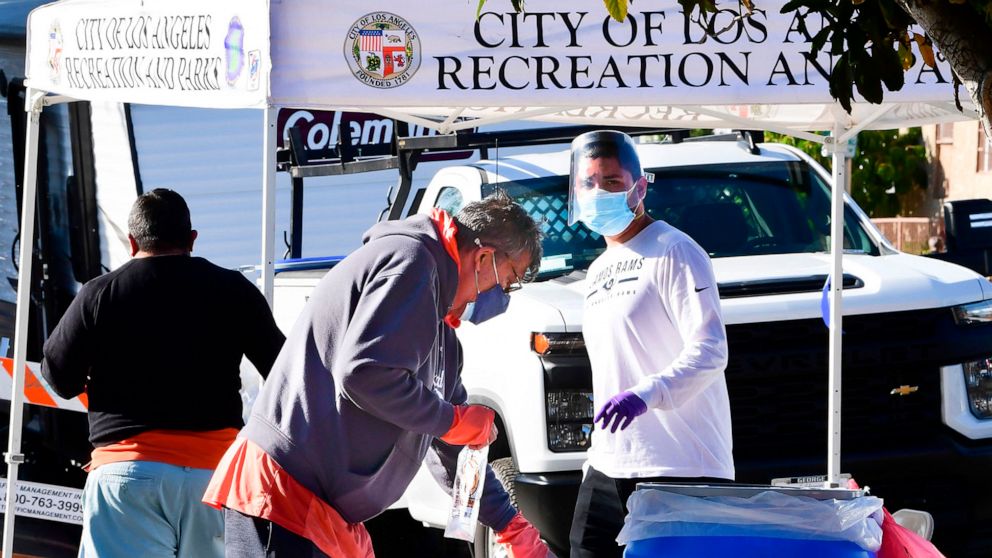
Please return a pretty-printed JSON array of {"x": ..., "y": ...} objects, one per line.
[{"x": 904, "y": 390}]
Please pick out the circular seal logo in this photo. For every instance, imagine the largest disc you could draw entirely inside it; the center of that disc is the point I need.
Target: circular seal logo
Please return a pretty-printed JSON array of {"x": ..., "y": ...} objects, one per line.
[{"x": 382, "y": 50}]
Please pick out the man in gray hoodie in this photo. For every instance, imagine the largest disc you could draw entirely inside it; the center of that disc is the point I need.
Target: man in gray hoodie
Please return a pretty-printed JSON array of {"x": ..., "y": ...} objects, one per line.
[{"x": 368, "y": 383}]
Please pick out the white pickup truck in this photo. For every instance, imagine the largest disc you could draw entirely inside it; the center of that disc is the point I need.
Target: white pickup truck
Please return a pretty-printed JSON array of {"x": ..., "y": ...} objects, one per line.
[{"x": 917, "y": 401}]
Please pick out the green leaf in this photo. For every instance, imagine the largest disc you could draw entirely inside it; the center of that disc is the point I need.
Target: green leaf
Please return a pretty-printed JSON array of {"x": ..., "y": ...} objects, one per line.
[
  {"x": 889, "y": 66},
  {"x": 906, "y": 56},
  {"x": 518, "y": 5},
  {"x": 840, "y": 83},
  {"x": 478, "y": 11},
  {"x": 689, "y": 7},
  {"x": 793, "y": 5},
  {"x": 819, "y": 39},
  {"x": 885, "y": 172},
  {"x": 617, "y": 9},
  {"x": 837, "y": 43},
  {"x": 893, "y": 16},
  {"x": 866, "y": 77}
]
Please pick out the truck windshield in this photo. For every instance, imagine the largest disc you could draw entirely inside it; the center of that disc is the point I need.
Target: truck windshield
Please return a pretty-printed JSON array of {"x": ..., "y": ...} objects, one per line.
[{"x": 735, "y": 209}]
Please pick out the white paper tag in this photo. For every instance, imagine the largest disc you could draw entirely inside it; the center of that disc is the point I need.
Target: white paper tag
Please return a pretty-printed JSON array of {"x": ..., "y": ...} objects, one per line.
[{"x": 811, "y": 481}]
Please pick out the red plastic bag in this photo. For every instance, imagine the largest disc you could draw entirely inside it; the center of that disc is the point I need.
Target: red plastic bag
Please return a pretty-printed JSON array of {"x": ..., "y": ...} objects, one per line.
[{"x": 900, "y": 542}]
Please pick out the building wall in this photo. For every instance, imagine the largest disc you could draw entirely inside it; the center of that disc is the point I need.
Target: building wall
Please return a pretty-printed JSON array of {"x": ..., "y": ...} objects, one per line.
[{"x": 955, "y": 171}]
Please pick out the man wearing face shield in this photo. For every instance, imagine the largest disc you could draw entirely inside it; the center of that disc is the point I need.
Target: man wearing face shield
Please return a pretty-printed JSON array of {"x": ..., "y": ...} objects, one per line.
[
  {"x": 368, "y": 384},
  {"x": 656, "y": 342}
]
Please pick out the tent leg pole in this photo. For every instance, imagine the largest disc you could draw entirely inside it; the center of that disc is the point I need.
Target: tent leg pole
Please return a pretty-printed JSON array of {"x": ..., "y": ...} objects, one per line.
[
  {"x": 840, "y": 177},
  {"x": 14, "y": 457},
  {"x": 269, "y": 202}
]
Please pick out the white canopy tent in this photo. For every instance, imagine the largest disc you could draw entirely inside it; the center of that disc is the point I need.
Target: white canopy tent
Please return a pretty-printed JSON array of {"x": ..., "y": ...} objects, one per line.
[{"x": 436, "y": 65}]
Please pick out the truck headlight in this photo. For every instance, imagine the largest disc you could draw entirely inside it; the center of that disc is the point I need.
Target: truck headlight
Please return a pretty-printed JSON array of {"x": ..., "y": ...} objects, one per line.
[
  {"x": 557, "y": 343},
  {"x": 978, "y": 383},
  {"x": 569, "y": 420},
  {"x": 974, "y": 313}
]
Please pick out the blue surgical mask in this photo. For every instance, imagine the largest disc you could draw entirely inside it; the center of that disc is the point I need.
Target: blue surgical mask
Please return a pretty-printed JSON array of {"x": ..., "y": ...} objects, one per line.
[
  {"x": 606, "y": 213},
  {"x": 489, "y": 303}
]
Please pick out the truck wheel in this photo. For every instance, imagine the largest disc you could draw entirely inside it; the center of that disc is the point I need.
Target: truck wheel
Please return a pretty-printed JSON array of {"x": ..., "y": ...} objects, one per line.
[{"x": 485, "y": 539}]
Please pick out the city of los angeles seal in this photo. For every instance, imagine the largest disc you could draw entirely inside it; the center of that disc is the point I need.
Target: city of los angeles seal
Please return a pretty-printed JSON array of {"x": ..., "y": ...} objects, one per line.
[{"x": 382, "y": 50}]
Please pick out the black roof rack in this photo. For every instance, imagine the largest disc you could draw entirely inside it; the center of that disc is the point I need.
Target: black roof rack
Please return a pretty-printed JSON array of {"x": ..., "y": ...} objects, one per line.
[{"x": 406, "y": 152}]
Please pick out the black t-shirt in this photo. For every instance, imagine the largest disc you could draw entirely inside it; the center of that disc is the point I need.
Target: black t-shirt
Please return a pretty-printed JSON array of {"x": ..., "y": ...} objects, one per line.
[{"x": 157, "y": 344}]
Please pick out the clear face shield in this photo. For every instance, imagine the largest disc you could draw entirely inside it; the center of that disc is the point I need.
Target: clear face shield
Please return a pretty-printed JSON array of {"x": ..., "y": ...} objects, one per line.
[{"x": 605, "y": 170}]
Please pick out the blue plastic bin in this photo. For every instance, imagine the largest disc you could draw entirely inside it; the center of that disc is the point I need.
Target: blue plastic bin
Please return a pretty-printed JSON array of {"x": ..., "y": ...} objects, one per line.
[
  {"x": 679, "y": 521},
  {"x": 742, "y": 547}
]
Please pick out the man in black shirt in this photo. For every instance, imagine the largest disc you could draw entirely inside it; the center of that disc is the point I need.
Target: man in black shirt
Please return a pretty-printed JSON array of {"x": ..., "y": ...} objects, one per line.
[{"x": 157, "y": 345}]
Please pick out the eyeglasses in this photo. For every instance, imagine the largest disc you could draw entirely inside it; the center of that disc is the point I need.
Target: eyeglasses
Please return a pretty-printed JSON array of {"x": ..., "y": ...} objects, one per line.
[{"x": 513, "y": 286}]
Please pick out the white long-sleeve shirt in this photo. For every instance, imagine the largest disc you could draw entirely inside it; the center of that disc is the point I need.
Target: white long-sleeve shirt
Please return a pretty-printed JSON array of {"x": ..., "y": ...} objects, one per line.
[{"x": 652, "y": 325}]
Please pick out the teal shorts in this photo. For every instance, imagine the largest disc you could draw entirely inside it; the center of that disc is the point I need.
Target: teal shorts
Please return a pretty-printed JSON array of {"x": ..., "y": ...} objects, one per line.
[{"x": 149, "y": 509}]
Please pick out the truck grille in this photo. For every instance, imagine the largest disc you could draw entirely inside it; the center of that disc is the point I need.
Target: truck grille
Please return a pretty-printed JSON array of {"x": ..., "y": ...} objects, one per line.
[{"x": 777, "y": 378}]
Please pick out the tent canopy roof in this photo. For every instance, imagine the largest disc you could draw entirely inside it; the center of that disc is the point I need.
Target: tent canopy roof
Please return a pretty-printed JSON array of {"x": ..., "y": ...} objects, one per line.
[{"x": 439, "y": 64}]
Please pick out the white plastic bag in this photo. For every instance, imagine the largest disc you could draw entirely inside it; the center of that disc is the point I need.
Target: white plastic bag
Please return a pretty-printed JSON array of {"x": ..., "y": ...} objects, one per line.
[
  {"x": 470, "y": 478},
  {"x": 657, "y": 513}
]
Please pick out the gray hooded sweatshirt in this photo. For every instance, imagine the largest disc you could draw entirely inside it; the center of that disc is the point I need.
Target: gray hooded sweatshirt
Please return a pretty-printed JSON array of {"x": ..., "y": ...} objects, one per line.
[{"x": 368, "y": 377}]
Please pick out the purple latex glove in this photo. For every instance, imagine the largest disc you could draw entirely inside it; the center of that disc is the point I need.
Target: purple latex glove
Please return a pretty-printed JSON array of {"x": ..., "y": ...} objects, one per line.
[{"x": 625, "y": 407}]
